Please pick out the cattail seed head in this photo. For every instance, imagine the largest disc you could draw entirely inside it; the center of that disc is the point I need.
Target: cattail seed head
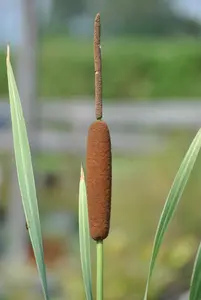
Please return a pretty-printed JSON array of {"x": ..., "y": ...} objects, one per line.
[{"x": 98, "y": 179}]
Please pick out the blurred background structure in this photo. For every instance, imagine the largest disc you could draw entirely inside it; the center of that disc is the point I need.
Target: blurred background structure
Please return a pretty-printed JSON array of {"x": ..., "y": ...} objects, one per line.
[{"x": 151, "y": 51}]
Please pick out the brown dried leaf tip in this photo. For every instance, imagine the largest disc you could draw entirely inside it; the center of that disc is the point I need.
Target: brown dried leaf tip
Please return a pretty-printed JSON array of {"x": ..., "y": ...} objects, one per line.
[
  {"x": 98, "y": 67},
  {"x": 99, "y": 179}
]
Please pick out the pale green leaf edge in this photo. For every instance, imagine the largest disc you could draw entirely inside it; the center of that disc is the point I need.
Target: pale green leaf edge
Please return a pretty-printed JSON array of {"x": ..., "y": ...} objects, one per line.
[
  {"x": 26, "y": 176},
  {"x": 172, "y": 201},
  {"x": 195, "y": 287},
  {"x": 84, "y": 238}
]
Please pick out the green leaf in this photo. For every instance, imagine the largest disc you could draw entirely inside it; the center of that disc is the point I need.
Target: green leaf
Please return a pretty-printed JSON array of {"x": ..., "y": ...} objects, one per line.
[
  {"x": 25, "y": 175},
  {"x": 172, "y": 200},
  {"x": 195, "y": 289},
  {"x": 84, "y": 237}
]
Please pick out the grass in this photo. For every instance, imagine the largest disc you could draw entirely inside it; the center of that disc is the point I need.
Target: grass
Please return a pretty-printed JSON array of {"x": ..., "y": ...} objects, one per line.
[{"x": 132, "y": 68}]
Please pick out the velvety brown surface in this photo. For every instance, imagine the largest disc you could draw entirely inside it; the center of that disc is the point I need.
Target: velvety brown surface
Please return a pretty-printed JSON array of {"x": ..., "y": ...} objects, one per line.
[
  {"x": 99, "y": 179},
  {"x": 98, "y": 67},
  {"x": 98, "y": 96}
]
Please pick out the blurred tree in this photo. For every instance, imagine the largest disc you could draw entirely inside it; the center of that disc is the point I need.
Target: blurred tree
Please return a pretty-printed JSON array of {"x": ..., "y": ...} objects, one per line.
[
  {"x": 65, "y": 9},
  {"x": 145, "y": 17}
]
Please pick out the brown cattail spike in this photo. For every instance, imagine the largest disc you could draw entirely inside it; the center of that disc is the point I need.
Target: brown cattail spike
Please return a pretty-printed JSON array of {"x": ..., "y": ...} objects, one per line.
[
  {"x": 98, "y": 67},
  {"x": 99, "y": 179}
]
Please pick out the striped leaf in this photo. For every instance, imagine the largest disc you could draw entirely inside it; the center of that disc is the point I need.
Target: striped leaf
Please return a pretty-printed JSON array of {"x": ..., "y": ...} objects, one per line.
[
  {"x": 195, "y": 289},
  {"x": 84, "y": 237},
  {"x": 172, "y": 200},
  {"x": 25, "y": 175}
]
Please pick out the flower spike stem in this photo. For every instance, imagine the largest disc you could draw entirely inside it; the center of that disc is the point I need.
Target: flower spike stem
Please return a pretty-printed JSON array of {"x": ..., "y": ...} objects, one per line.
[{"x": 99, "y": 279}]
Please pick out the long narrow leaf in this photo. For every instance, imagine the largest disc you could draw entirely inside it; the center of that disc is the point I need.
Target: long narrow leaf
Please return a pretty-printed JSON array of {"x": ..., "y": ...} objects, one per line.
[
  {"x": 195, "y": 290},
  {"x": 25, "y": 175},
  {"x": 84, "y": 237},
  {"x": 173, "y": 199}
]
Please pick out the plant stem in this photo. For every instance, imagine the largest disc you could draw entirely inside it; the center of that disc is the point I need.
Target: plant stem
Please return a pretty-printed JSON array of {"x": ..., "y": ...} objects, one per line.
[{"x": 99, "y": 271}]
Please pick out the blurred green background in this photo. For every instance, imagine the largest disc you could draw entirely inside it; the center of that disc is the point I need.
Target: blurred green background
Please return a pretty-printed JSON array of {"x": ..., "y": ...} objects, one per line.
[
  {"x": 151, "y": 54},
  {"x": 134, "y": 68}
]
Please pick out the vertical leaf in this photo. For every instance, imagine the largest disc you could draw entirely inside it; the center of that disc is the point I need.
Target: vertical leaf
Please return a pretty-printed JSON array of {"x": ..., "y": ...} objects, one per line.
[
  {"x": 173, "y": 199},
  {"x": 25, "y": 175},
  {"x": 84, "y": 237},
  {"x": 195, "y": 289}
]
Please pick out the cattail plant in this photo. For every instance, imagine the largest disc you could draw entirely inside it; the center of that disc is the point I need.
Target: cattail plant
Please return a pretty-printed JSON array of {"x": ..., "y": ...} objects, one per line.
[
  {"x": 94, "y": 212},
  {"x": 98, "y": 167},
  {"x": 99, "y": 157}
]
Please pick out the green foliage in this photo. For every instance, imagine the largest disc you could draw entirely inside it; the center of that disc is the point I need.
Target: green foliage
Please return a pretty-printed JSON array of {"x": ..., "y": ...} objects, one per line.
[
  {"x": 25, "y": 176},
  {"x": 84, "y": 236},
  {"x": 195, "y": 290},
  {"x": 136, "y": 69},
  {"x": 142, "y": 17},
  {"x": 173, "y": 199},
  {"x": 64, "y": 9},
  {"x": 132, "y": 68},
  {"x": 149, "y": 17}
]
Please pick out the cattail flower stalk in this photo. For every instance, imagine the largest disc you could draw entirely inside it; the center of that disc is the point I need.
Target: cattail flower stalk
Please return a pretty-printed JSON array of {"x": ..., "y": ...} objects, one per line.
[
  {"x": 98, "y": 167},
  {"x": 98, "y": 68},
  {"x": 98, "y": 157}
]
